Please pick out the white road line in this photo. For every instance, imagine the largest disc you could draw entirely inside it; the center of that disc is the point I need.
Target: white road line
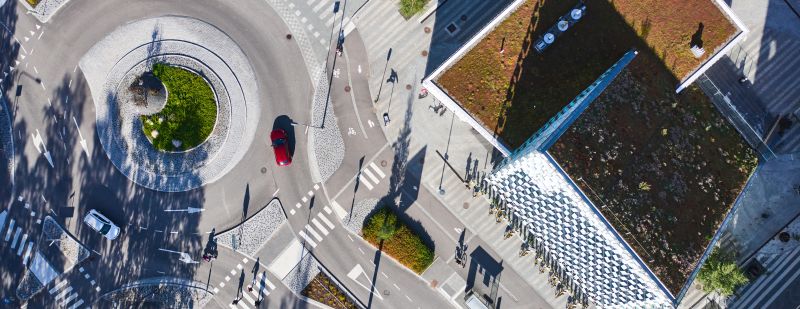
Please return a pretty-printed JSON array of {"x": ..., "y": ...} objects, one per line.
[
  {"x": 232, "y": 306},
  {"x": 327, "y": 209},
  {"x": 2, "y": 219},
  {"x": 310, "y": 193},
  {"x": 40, "y": 35},
  {"x": 319, "y": 6},
  {"x": 58, "y": 287},
  {"x": 364, "y": 182},
  {"x": 298, "y": 205},
  {"x": 395, "y": 286},
  {"x": 384, "y": 275},
  {"x": 239, "y": 266},
  {"x": 75, "y": 305},
  {"x": 244, "y": 260},
  {"x": 377, "y": 170},
  {"x": 22, "y": 244},
  {"x": 16, "y": 237},
  {"x": 351, "y": 238},
  {"x": 222, "y": 284},
  {"x": 369, "y": 174},
  {"x": 233, "y": 272},
  {"x": 409, "y": 299},
  {"x": 276, "y": 192},
  {"x": 69, "y": 299},
  {"x": 313, "y": 233},
  {"x": 243, "y": 305},
  {"x": 27, "y": 255},
  {"x": 249, "y": 299},
  {"x": 64, "y": 293},
  {"x": 227, "y": 278},
  {"x": 304, "y": 199},
  {"x": 327, "y": 222},
  {"x": 10, "y": 229},
  {"x": 291, "y": 211},
  {"x": 316, "y": 187},
  {"x": 318, "y": 225},
  {"x": 307, "y": 239},
  {"x": 362, "y": 251},
  {"x": 339, "y": 210}
]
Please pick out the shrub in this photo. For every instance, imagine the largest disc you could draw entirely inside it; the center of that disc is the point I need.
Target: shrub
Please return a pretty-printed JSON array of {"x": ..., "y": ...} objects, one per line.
[
  {"x": 410, "y": 7},
  {"x": 189, "y": 114},
  {"x": 396, "y": 239},
  {"x": 720, "y": 274}
]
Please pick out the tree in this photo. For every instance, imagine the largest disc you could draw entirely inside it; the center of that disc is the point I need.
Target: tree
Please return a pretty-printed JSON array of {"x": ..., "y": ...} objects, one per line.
[{"x": 721, "y": 274}]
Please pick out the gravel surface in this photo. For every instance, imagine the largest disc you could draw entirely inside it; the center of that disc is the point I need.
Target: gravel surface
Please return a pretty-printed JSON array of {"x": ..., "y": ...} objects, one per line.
[
  {"x": 361, "y": 210},
  {"x": 71, "y": 248},
  {"x": 28, "y": 286},
  {"x": 326, "y": 144},
  {"x": 168, "y": 292},
  {"x": 45, "y": 9},
  {"x": 302, "y": 274},
  {"x": 251, "y": 235},
  {"x": 190, "y": 43}
]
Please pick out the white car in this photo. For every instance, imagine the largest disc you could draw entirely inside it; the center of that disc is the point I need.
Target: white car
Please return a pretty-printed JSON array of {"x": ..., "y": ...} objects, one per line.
[{"x": 101, "y": 224}]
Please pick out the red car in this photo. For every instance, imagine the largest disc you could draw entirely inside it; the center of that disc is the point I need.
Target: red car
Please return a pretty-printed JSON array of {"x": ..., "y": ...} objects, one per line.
[{"x": 280, "y": 144}]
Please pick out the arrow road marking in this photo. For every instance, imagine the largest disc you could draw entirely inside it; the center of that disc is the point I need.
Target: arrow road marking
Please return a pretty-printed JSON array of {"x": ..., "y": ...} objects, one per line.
[
  {"x": 356, "y": 272},
  {"x": 37, "y": 140},
  {"x": 82, "y": 141}
]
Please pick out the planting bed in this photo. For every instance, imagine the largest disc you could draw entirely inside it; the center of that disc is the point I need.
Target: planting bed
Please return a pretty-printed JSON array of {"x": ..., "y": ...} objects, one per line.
[
  {"x": 664, "y": 169},
  {"x": 323, "y": 290},
  {"x": 387, "y": 232},
  {"x": 515, "y": 92}
]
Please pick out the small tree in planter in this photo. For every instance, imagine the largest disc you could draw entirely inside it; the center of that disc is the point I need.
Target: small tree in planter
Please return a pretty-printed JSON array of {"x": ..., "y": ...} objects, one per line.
[{"x": 720, "y": 274}]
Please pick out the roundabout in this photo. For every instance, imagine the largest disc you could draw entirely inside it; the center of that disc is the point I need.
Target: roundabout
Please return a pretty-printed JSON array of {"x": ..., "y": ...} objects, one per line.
[{"x": 183, "y": 46}]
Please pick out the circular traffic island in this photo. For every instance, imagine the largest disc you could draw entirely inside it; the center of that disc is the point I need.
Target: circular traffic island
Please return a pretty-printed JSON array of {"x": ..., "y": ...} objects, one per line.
[{"x": 188, "y": 115}]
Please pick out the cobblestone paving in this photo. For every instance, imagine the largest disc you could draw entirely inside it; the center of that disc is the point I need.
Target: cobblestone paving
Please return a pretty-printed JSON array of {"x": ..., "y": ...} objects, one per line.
[
  {"x": 302, "y": 274},
  {"x": 168, "y": 292},
  {"x": 45, "y": 9},
  {"x": 326, "y": 143},
  {"x": 361, "y": 210},
  {"x": 255, "y": 232},
  {"x": 190, "y": 43}
]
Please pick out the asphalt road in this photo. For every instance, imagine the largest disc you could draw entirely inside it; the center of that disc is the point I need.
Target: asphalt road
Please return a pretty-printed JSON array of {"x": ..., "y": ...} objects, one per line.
[{"x": 53, "y": 91}]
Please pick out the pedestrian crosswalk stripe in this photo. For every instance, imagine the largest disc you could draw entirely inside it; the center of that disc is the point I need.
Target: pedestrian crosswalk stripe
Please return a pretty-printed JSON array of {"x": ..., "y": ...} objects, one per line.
[
  {"x": 10, "y": 229},
  {"x": 64, "y": 293},
  {"x": 307, "y": 239},
  {"x": 249, "y": 299},
  {"x": 319, "y": 6},
  {"x": 233, "y": 272},
  {"x": 75, "y": 305},
  {"x": 69, "y": 299},
  {"x": 27, "y": 253},
  {"x": 377, "y": 170},
  {"x": 232, "y": 306},
  {"x": 239, "y": 266},
  {"x": 338, "y": 209},
  {"x": 364, "y": 182},
  {"x": 3, "y": 216},
  {"x": 327, "y": 209},
  {"x": 58, "y": 287},
  {"x": 369, "y": 174},
  {"x": 324, "y": 219},
  {"x": 313, "y": 232},
  {"x": 22, "y": 244},
  {"x": 16, "y": 238},
  {"x": 319, "y": 226}
]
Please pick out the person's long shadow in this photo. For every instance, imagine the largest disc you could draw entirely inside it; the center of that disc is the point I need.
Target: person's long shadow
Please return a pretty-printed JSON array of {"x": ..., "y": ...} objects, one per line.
[{"x": 239, "y": 288}]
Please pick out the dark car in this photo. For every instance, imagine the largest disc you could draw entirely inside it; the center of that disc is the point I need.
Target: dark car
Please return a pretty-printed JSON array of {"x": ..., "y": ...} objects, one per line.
[{"x": 280, "y": 144}]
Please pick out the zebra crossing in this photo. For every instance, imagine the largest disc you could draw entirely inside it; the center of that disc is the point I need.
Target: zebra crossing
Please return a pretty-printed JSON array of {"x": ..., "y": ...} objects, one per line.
[
  {"x": 65, "y": 296},
  {"x": 318, "y": 18},
  {"x": 320, "y": 227},
  {"x": 762, "y": 292},
  {"x": 250, "y": 298},
  {"x": 366, "y": 175},
  {"x": 21, "y": 246}
]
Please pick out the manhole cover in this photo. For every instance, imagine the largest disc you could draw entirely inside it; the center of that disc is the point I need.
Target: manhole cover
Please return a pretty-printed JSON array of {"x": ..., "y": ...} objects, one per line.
[
  {"x": 346, "y": 88},
  {"x": 434, "y": 283},
  {"x": 384, "y": 163},
  {"x": 427, "y": 29},
  {"x": 466, "y": 205},
  {"x": 408, "y": 87},
  {"x": 424, "y": 53},
  {"x": 451, "y": 28},
  {"x": 463, "y": 17},
  {"x": 263, "y": 170}
]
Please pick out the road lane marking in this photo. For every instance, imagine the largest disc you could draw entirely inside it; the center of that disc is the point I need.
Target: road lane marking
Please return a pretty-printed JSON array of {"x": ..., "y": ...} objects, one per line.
[
  {"x": 313, "y": 233},
  {"x": 297, "y": 205},
  {"x": 16, "y": 238},
  {"x": 316, "y": 187},
  {"x": 276, "y": 192},
  {"x": 291, "y": 211},
  {"x": 395, "y": 286},
  {"x": 27, "y": 255},
  {"x": 362, "y": 251},
  {"x": 249, "y": 299},
  {"x": 338, "y": 209},
  {"x": 69, "y": 299},
  {"x": 22, "y": 244},
  {"x": 310, "y": 193},
  {"x": 304, "y": 199},
  {"x": 58, "y": 287},
  {"x": 377, "y": 170},
  {"x": 318, "y": 225},
  {"x": 233, "y": 272},
  {"x": 75, "y": 305},
  {"x": 227, "y": 278},
  {"x": 327, "y": 222},
  {"x": 64, "y": 293},
  {"x": 384, "y": 275},
  {"x": 327, "y": 209},
  {"x": 371, "y": 176},
  {"x": 364, "y": 182},
  {"x": 409, "y": 299},
  {"x": 239, "y": 266},
  {"x": 307, "y": 239}
]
